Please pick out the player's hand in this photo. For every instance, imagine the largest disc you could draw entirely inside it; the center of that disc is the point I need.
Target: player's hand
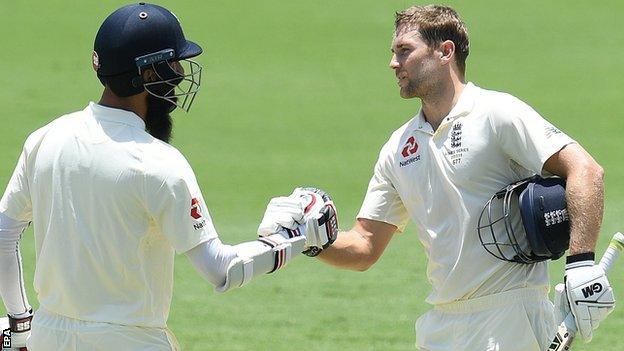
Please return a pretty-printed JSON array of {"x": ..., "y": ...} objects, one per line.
[
  {"x": 321, "y": 219},
  {"x": 281, "y": 212},
  {"x": 590, "y": 295},
  {"x": 20, "y": 331}
]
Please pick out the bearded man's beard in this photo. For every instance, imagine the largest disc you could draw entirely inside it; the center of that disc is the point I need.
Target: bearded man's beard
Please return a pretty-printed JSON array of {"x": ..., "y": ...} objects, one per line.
[{"x": 158, "y": 122}]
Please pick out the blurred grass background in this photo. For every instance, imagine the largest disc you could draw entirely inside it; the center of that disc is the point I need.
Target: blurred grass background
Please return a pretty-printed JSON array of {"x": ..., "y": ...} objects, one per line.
[{"x": 299, "y": 92}]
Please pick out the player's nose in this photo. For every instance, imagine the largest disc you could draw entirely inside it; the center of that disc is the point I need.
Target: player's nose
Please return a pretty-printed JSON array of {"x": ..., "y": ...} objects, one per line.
[{"x": 394, "y": 63}]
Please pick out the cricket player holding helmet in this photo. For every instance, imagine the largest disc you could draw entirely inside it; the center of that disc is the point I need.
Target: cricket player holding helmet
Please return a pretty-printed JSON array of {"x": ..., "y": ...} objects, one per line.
[
  {"x": 111, "y": 202},
  {"x": 441, "y": 167}
]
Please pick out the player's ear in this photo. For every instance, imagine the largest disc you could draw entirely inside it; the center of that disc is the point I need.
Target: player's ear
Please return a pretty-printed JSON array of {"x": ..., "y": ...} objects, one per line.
[
  {"x": 149, "y": 75},
  {"x": 446, "y": 51}
]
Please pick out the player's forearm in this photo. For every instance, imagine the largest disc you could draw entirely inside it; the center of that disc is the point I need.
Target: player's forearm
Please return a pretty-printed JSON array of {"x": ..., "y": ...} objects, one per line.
[
  {"x": 211, "y": 259},
  {"x": 351, "y": 251},
  {"x": 11, "y": 277},
  {"x": 12, "y": 284},
  {"x": 585, "y": 198},
  {"x": 227, "y": 266}
]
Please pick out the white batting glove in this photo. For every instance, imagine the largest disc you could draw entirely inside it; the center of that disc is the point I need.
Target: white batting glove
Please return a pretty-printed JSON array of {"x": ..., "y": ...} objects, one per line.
[
  {"x": 321, "y": 219},
  {"x": 20, "y": 330},
  {"x": 18, "y": 340},
  {"x": 308, "y": 212},
  {"x": 281, "y": 212},
  {"x": 590, "y": 295},
  {"x": 562, "y": 306}
]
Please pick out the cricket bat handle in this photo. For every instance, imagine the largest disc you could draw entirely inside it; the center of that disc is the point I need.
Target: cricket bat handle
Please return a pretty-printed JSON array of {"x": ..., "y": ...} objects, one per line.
[
  {"x": 565, "y": 335},
  {"x": 616, "y": 246}
]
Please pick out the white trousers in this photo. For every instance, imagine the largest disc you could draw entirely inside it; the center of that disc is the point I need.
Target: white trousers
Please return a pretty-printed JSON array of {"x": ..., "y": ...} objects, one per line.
[
  {"x": 516, "y": 320},
  {"x": 53, "y": 332}
]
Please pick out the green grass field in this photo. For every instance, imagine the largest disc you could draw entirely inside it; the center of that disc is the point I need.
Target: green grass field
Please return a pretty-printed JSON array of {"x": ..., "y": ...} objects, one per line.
[{"x": 299, "y": 92}]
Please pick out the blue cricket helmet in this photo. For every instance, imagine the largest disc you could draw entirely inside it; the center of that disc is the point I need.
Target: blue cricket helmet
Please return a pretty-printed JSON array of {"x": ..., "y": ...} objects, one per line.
[
  {"x": 545, "y": 217},
  {"x": 140, "y": 36},
  {"x": 544, "y": 232}
]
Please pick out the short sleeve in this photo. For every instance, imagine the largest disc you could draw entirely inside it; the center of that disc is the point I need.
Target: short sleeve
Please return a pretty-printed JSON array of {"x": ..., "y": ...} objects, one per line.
[
  {"x": 525, "y": 136},
  {"x": 16, "y": 201},
  {"x": 382, "y": 201},
  {"x": 178, "y": 207}
]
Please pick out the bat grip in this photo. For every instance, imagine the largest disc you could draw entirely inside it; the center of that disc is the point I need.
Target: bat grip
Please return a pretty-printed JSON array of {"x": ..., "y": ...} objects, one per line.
[{"x": 613, "y": 252}]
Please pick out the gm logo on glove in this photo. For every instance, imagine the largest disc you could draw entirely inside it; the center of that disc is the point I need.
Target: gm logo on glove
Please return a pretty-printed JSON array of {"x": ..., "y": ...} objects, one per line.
[{"x": 592, "y": 289}]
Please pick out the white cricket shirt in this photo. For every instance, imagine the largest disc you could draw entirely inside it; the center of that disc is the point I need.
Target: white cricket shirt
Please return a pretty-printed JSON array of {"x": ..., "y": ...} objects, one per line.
[
  {"x": 442, "y": 180},
  {"x": 109, "y": 204}
]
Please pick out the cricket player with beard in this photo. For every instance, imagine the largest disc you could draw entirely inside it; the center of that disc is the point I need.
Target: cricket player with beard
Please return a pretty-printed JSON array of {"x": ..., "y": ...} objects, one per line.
[
  {"x": 441, "y": 167},
  {"x": 111, "y": 202}
]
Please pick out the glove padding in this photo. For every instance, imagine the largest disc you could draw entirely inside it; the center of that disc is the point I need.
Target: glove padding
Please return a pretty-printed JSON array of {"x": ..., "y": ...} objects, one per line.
[
  {"x": 314, "y": 216},
  {"x": 18, "y": 340},
  {"x": 590, "y": 295},
  {"x": 561, "y": 304},
  {"x": 281, "y": 212},
  {"x": 20, "y": 331},
  {"x": 321, "y": 219}
]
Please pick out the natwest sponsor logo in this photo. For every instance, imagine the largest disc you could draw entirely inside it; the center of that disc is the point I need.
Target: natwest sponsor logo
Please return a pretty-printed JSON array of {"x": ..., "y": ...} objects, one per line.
[
  {"x": 195, "y": 209},
  {"x": 409, "y": 149},
  {"x": 196, "y": 214}
]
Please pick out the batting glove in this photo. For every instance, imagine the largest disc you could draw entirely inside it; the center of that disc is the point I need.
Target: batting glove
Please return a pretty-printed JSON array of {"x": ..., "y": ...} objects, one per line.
[
  {"x": 281, "y": 212},
  {"x": 590, "y": 295},
  {"x": 562, "y": 306},
  {"x": 308, "y": 212},
  {"x": 321, "y": 219},
  {"x": 20, "y": 331}
]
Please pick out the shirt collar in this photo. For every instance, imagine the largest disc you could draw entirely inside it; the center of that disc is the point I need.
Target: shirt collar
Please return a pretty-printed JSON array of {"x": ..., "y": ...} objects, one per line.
[
  {"x": 463, "y": 106},
  {"x": 422, "y": 123},
  {"x": 115, "y": 115},
  {"x": 465, "y": 103}
]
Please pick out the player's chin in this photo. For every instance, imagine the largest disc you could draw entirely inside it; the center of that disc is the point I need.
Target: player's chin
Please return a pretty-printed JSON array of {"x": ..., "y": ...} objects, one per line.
[{"x": 407, "y": 93}]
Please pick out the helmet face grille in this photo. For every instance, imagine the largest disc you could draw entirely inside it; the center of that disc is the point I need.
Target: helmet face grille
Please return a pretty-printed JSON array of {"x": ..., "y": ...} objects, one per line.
[
  {"x": 510, "y": 227},
  {"x": 500, "y": 227},
  {"x": 178, "y": 82}
]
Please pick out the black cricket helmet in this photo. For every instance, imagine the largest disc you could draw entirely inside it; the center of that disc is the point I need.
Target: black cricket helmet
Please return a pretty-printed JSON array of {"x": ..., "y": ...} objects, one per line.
[
  {"x": 144, "y": 36},
  {"x": 526, "y": 221}
]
